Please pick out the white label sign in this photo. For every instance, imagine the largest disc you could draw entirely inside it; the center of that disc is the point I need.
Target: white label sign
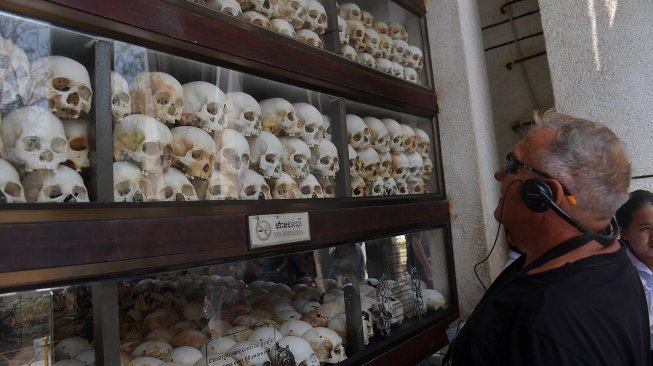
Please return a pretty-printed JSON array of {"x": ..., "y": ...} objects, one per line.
[{"x": 268, "y": 230}]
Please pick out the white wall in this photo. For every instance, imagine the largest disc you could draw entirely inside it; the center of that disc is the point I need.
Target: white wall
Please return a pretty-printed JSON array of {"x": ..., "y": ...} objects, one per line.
[
  {"x": 468, "y": 142},
  {"x": 601, "y": 59}
]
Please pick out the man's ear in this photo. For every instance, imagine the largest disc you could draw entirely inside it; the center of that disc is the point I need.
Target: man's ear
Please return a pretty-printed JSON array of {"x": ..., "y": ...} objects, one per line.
[{"x": 623, "y": 233}]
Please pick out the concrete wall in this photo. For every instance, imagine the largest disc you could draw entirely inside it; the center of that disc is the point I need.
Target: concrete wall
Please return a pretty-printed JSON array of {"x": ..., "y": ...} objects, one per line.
[
  {"x": 601, "y": 59},
  {"x": 468, "y": 140}
]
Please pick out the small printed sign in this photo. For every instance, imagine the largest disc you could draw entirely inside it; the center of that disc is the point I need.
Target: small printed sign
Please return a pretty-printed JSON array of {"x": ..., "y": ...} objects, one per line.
[{"x": 269, "y": 230}]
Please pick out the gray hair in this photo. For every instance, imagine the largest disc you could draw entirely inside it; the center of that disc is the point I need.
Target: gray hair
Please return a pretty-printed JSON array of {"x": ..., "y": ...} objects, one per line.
[{"x": 589, "y": 159}]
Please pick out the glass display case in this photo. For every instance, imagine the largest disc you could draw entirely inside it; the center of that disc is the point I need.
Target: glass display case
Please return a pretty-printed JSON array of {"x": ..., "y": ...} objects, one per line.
[{"x": 132, "y": 142}]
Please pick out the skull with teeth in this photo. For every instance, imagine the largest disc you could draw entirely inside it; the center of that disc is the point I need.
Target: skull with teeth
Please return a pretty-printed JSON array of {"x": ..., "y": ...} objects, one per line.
[
  {"x": 324, "y": 159},
  {"x": 144, "y": 141},
  {"x": 78, "y": 144},
  {"x": 232, "y": 153},
  {"x": 231, "y": 7},
  {"x": 309, "y": 187},
  {"x": 253, "y": 186},
  {"x": 176, "y": 187},
  {"x": 192, "y": 150},
  {"x": 65, "y": 83},
  {"x": 204, "y": 106},
  {"x": 296, "y": 157},
  {"x": 358, "y": 134},
  {"x": 399, "y": 50},
  {"x": 370, "y": 159},
  {"x": 158, "y": 95},
  {"x": 372, "y": 41},
  {"x": 60, "y": 185},
  {"x": 396, "y": 135},
  {"x": 266, "y": 152},
  {"x": 311, "y": 124},
  {"x": 33, "y": 138},
  {"x": 129, "y": 183},
  {"x": 11, "y": 190},
  {"x": 14, "y": 72},
  {"x": 316, "y": 17},
  {"x": 386, "y": 45},
  {"x": 415, "y": 166},
  {"x": 221, "y": 187},
  {"x": 400, "y": 166},
  {"x": 279, "y": 117},
  {"x": 284, "y": 187},
  {"x": 378, "y": 134},
  {"x": 242, "y": 113},
  {"x": 121, "y": 101},
  {"x": 293, "y": 11},
  {"x": 264, "y": 7}
]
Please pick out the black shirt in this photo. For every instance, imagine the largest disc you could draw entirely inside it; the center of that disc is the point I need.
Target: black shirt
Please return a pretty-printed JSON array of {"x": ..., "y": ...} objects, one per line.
[{"x": 589, "y": 312}]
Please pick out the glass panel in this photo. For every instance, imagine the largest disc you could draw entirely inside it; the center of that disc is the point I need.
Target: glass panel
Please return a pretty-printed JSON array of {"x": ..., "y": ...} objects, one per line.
[
  {"x": 390, "y": 153},
  {"x": 45, "y": 326},
  {"x": 201, "y": 132},
  {"x": 405, "y": 279},
  {"x": 45, "y": 106},
  {"x": 384, "y": 36}
]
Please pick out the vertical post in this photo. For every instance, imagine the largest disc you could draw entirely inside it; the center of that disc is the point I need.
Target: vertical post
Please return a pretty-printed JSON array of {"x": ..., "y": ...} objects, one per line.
[
  {"x": 105, "y": 324},
  {"x": 355, "y": 338},
  {"x": 339, "y": 136},
  {"x": 330, "y": 37}
]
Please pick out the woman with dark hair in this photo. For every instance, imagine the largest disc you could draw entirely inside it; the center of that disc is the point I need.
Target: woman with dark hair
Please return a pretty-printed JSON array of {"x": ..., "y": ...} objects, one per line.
[{"x": 635, "y": 220}]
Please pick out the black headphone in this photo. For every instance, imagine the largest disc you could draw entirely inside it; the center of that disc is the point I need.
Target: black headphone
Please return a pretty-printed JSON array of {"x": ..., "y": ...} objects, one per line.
[{"x": 538, "y": 197}]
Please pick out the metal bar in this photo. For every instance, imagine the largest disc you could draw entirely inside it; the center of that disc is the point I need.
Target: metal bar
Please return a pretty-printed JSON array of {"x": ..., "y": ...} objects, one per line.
[
  {"x": 514, "y": 41},
  {"x": 507, "y": 4},
  {"x": 105, "y": 323},
  {"x": 510, "y": 19},
  {"x": 353, "y": 313},
  {"x": 337, "y": 113},
  {"x": 510, "y": 65}
]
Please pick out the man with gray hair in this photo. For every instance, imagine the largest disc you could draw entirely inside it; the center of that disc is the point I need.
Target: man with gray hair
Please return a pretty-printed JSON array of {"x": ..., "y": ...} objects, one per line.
[{"x": 572, "y": 298}]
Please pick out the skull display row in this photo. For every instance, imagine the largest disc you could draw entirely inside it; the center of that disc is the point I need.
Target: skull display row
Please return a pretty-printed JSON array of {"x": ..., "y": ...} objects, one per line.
[
  {"x": 351, "y": 11},
  {"x": 382, "y": 64}
]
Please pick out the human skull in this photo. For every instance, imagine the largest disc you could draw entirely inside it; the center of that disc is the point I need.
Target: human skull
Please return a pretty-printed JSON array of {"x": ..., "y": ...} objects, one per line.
[
  {"x": 384, "y": 65},
  {"x": 416, "y": 60},
  {"x": 326, "y": 122},
  {"x": 387, "y": 46},
  {"x": 348, "y": 52},
  {"x": 343, "y": 36},
  {"x": 296, "y": 157},
  {"x": 428, "y": 169},
  {"x": 338, "y": 324},
  {"x": 284, "y": 187},
  {"x": 294, "y": 328},
  {"x": 415, "y": 166},
  {"x": 398, "y": 50},
  {"x": 265, "y": 337},
  {"x": 397, "y": 31},
  {"x": 121, "y": 101},
  {"x": 355, "y": 163},
  {"x": 375, "y": 187},
  {"x": 309, "y": 187},
  {"x": 293, "y": 11},
  {"x": 358, "y": 187},
  {"x": 416, "y": 186},
  {"x": 390, "y": 186},
  {"x": 366, "y": 59},
  {"x": 14, "y": 72},
  {"x": 423, "y": 142},
  {"x": 264, "y": 7},
  {"x": 358, "y": 134},
  {"x": 316, "y": 17},
  {"x": 279, "y": 117},
  {"x": 324, "y": 159},
  {"x": 351, "y": 11},
  {"x": 396, "y": 134},
  {"x": 367, "y": 19},
  {"x": 176, "y": 187},
  {"x": 400, "y": 166},
  {"x": 242, "y": 113},
  {"x": 310, "y": 37},
  {"x": 266, "y": 152},
  {"x": 381, "y": 27},
  {"x": 257, "y": 18},
  {"x": 33, "y": 138},
  {"x": 370, "y": 159},
  {"x": 253, "y": 186},
  {"x": 385, "y": 166},
  {"x": 184, "y": 355},
  {"x": 378, "y": 134},
  {"x": 65, "y": 83},
  {"x": 204, "y": 106},
  {"x": 356, "y": 31},
  {"x": 402, "y": 186},
  {"x": 410, "y": 142},
  {"x": 248, "y": 353},
  {"x": 129, "y": 183},
  {"x": 328, "y": 186},
  {"x": 231, "y": 7},
  {"x": 300, "y": 349},
  {"x": 193, "y": 151},
  {"x": 372, "y": 41},
  {"x": 433, "y": 299},
  {"x": 283, "y": 26},
  {"x": 411, "y": 75},
  {"x": 144, "y": 141},
  {"x": 78, "y": 144},
  {"x": 158, "y": 95},
  {"x": 311, "y": 124},
  {"x": 326, "y": 343},
  {"x": 11, "y": 190},
  {"x": 397, "y": 70},
  {"x": 60, "y": 185},
  {"x": 232, "y": 153}
]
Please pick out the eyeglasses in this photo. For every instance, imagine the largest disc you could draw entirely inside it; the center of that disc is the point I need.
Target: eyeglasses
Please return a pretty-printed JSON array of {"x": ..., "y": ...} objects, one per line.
[{"x": 511, "y": 165}]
